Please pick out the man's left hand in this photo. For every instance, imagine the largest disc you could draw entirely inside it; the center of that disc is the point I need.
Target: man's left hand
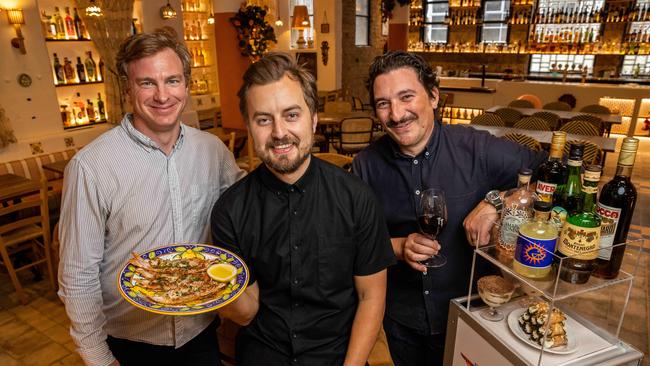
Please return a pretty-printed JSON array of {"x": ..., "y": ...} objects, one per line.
[{"x": 479, "y": 223}]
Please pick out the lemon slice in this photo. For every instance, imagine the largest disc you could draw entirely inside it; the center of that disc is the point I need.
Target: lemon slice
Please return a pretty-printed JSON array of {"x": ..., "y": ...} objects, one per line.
[{"x": 222, "y": 272}]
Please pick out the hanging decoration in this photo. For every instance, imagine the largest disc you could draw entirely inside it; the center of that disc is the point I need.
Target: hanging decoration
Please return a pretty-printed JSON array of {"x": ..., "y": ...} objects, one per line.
[
  {"x": 324, "y": 49},
  {"x": 387, "y": 7},
  {"x": 253, "y": 32}
]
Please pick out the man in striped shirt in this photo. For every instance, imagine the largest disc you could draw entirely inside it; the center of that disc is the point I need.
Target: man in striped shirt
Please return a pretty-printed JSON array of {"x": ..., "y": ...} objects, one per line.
[{"x": 148, "y": 182}]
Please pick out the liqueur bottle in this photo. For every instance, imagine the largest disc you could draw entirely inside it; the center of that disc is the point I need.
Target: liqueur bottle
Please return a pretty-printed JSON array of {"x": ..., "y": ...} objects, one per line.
[
  {"x": 101, "y": 111},
  {"x": 580, "y": 237},
  {"x": 615, "y": 207},
  {"x": 70, "y": 32},
  {"x": 100, "y": 70},
  {"x": 68, "y": 71},
  {"x": 552, "y": 172},
  {"x": 81, "y": 72},
  {"x": 90, "y": 111},
  {"x": 79, "y": 110},
  {"x": 566, "y": 197},
  {"x": 536, "y": 243},
  {"x": 79, "y": 26},
  {"x": 58, "y": 20},
  {"x": 517, "y": 208},
  {"x": 58, "y": 71},
  {"x": 91, "y": 67}
]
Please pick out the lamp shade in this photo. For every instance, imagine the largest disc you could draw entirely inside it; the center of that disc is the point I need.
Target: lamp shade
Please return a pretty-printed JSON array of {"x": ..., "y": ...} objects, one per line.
[
  {"x": 15, "y": 16},
  {"x": 300, "y": 17}
]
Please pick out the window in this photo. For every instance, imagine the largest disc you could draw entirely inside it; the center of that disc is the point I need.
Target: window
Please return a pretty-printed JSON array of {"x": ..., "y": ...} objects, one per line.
[
  {"x": 636, "y": 64},
  {"x": 308, "y": 33},
  {"x": 495, "y": 21},
  {"x": 552, "y": 62},
  {"x": 435, "y": 21},
  {"x": 362, "y": 23}
]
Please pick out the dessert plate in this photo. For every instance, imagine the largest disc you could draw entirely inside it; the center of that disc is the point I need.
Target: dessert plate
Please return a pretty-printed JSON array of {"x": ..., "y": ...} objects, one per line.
[{"x": 513, "y": 324}]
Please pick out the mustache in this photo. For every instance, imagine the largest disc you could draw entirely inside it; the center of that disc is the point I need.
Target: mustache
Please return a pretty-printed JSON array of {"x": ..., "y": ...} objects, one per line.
[
  {"x": 405, "y": 119},
  {"x": 283, "y": 141}
]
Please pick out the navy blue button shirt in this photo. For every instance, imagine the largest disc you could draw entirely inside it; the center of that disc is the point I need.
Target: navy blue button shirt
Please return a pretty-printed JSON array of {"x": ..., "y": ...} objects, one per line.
[{"x": 466, "y": 164}]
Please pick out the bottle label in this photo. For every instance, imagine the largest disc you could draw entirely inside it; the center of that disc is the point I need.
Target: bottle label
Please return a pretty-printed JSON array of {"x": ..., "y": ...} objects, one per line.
[
  {"x": 510, "y": 223},
  {"x": 610, "y": 217},
  {"x": 579, "y": 242},
  {"x": 558, "y": 216},
  {"x": 533, "y": 252},
  {"x": 545, "y": 190}
]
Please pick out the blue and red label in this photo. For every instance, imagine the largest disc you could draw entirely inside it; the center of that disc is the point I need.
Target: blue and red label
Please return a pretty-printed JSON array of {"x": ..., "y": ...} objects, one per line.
[{"x": 536, "y": 253}]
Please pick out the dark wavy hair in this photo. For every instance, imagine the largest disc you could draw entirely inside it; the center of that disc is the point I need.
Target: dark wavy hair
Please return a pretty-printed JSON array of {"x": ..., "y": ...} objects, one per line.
[
  {"x": 396, "y": 60},
  {"x": 273, "y": 67}
]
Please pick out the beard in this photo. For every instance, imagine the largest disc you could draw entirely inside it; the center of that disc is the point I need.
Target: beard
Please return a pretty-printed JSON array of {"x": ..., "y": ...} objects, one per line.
[{"x": 283, "y": 164}]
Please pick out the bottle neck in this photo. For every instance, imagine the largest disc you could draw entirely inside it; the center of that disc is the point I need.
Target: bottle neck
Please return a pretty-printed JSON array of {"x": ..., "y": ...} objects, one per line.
[
  {"x": 556, "y": 152},
  {"x": 624, "y": 170},
  {"x": 589, "y": 191},
  {"x": 542, "y": 216}
]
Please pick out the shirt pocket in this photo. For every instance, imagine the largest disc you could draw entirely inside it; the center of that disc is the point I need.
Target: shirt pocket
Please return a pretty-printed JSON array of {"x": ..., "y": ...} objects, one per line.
[
  {"x": 335, "y": 264},
  {"x": 200, "y": 203}
]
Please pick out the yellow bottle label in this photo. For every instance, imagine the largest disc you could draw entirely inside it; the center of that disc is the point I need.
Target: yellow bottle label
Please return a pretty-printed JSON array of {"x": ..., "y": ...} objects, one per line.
[{"x": 579, "y": 242}]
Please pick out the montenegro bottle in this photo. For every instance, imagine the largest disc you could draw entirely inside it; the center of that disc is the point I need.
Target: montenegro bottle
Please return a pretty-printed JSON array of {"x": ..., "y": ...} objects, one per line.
[{"x": 615, "y": 207}]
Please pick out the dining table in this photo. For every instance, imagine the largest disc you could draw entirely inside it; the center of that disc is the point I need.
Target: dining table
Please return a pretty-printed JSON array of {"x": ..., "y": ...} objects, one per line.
[
  {"x": 608, "y": 119},
  {"x": 12, "y": 183},
  {"x": 57, "y": 166}
]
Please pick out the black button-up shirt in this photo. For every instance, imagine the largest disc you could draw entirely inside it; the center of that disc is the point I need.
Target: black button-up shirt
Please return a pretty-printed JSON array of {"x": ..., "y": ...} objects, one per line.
[
  {"x": 466, "y": 164},
  {"x": 304, "y": 243}
]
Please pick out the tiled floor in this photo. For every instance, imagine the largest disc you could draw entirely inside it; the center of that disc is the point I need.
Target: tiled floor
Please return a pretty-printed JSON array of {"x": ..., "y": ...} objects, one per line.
[{"x": 37, "y": 333}]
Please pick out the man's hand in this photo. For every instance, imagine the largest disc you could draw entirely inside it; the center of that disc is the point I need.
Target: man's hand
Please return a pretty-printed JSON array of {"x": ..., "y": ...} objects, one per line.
[
  {"x": 114, "y": 363},
  {"x": 479, "y": 223},
  {"x": 418, "y": 247}
]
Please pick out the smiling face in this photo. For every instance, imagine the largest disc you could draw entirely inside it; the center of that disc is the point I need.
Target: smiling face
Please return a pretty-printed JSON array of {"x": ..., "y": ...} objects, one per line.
[
  {"x": 158, "y": 92},
  {"x": 282, "y": 127},
  {"x": 405, "y": 109}
]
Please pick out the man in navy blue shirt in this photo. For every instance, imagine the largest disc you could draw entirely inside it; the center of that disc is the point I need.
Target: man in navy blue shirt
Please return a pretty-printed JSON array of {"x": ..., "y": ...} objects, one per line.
[{"x": 419, "y": 153}]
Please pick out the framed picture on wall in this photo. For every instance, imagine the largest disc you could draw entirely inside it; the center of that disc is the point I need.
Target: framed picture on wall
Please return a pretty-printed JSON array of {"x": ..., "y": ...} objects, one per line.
[{"x": 309, "y": 60}]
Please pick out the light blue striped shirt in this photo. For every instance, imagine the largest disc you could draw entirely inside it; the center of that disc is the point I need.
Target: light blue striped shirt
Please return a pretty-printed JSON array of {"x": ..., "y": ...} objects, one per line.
[{"x": 122, "y": 194}]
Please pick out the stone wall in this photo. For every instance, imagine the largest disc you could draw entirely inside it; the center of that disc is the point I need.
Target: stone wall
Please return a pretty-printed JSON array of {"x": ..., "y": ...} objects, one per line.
[{"x": 356, "y": 59}]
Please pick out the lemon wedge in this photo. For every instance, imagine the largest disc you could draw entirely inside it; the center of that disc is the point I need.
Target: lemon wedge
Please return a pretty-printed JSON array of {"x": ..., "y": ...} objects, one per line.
[{"x": 222, "y": 272}]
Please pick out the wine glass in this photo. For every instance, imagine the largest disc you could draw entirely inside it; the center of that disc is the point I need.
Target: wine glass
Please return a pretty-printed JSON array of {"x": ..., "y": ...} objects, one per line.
[
  {"x": 432, "y": 217},
  {"x": 495, "y": 291}
]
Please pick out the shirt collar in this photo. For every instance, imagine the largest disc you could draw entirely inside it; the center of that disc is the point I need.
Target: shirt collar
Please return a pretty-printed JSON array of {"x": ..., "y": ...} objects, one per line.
[
  {"x": 428, "y": 148},
  {"x": 145, "y": 141},
  {"x": 276, "y": 185}
]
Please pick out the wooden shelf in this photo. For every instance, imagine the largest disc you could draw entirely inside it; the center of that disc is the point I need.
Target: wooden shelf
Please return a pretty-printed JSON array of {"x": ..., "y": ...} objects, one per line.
[
  {"x": 68, "y": 40},
  {"x": 77, "y": 84}
]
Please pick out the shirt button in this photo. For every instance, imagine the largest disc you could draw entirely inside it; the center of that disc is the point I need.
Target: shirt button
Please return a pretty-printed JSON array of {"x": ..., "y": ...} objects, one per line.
[
  {"x": 295, "y": 281},
  {"x": 417, "y": 192},
  {"x": 426, "y": 292},
  {"x": 415, "y": 162},
  {"x": 291, "y": 189},
  {"x": 294, "y": 335},
  {"x": 295, "y": 247},
  {"x": 295, "y": 360},
  {"x": 424, "y": 273},
  {"x": 426, "y": 153},
  {"x": 295, "y": 212},
  {"x": 295, "y": 305}
]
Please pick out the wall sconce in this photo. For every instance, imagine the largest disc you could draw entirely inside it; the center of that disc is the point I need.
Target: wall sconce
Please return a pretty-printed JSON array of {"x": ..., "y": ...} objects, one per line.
[
  {"x": 167, "y": 12},
  {"x": 16, "y": 18},
  {"x": 278, "y": 22},
  {"x": 300, "y": 22},
  {"x": 211, "y": 16},
  {"x": 93, "y": 10}
]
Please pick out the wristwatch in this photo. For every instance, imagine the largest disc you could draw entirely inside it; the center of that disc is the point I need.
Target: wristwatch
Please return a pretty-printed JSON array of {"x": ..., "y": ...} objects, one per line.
[{"x": 493, "y": 198}]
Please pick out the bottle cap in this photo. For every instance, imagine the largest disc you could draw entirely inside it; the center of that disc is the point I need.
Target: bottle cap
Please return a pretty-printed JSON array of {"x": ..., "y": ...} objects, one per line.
[
  {"x": 524, "y": 175},
  {"x": 592, "y": 173},
  {"x": 542, "y": 206},
  {"x": 577, "y": 151},
  {"x": 628, "y": 151}
]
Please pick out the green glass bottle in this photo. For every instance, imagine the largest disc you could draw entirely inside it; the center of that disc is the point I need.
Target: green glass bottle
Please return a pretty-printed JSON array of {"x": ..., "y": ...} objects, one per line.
[{"x": 566, "y": 197}]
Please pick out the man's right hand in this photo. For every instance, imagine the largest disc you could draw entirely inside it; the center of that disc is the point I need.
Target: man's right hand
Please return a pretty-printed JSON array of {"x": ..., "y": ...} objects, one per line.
[{"x": 417, "y": 248}]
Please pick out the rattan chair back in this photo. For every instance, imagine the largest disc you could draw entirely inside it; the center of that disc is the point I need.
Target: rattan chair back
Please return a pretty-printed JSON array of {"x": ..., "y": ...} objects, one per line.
[
  {"x": 355, "y": 135},
  {"x": 592, "y": 153},
  {"x": 488, "y": 119},
  {"x": 521, "y": 103},
  {"x": 551, "y": 118},
  {"x": 595, "y": 108},
  {"x": 532, "y": 123},
  {"x": 510, "y": 116},
  {"x": 557, "y": 106},
  {"x": 579, "y": 127},
  {"x": 524, "y": 140}
]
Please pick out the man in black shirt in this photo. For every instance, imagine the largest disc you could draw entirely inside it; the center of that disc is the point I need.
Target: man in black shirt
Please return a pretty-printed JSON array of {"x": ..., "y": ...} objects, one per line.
[
  {"x": 312, "y": 235},
  {"x": 419, "y": 153}
]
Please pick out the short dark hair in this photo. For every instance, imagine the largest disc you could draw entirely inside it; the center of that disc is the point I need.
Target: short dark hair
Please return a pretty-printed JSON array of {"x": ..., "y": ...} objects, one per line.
[
  {"x": 144, "y": 45},
  {"x": 273, "y": 67},
  {"x": 396, "y": 60}
]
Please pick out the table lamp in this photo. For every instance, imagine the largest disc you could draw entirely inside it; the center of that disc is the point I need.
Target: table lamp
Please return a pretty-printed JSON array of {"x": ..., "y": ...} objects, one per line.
[{"x": 300, "y": 22}]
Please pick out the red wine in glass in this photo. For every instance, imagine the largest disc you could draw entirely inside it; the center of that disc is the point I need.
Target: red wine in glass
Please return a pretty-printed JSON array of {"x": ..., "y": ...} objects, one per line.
[
  {"x": 432, "y": 218},
  {"x": 431, "y": 225}
]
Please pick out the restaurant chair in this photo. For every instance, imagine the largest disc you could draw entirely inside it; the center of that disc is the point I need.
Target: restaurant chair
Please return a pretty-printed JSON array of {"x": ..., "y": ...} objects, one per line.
[
  {"x": 333, "y": 95},
  {"x": 320, "y": 143},
  {"x": 595, "y": 108},
  {"x": 229, "y": 140},
  {"x": 25, "y": 233},
  {"x": 342, "y": 161},
  {"x": 338, "y": 106},
  {"x": 250, "y": 161},
  {"x": 534, "y": 99},
  {"x": 55, "y": 246},
  {"x": 594, "y": 120},
  {"x": 552, "y": 119},
  {"x": 532, "y": 123},
  {"x": 592, "y": 154},
  {"x": 358, "y": 105},
  {"x": 510, "y": 116},
  {"x": 557, "y": 106},
  {"x": 579, "y": 127},
  {"x": 355, "y": 135},
  {"x": 524, "y": 140},
  {"x": 521, "y": 103},
  {"x": 488, "y": 119}
]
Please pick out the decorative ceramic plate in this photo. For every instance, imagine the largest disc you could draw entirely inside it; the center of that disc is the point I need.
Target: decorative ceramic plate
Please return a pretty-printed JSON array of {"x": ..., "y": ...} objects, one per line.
[
  {"x": 127, "y": 279},
  {"x": 513, "y": 324}
]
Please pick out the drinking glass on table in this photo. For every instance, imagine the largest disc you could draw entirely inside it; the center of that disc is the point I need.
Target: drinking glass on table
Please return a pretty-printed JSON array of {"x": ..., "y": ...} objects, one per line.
[{"x": 432, "y": 217}]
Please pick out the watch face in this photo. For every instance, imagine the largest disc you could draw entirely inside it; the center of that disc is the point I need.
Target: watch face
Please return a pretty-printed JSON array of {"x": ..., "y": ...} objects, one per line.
[{"x": 492, "y": 195}]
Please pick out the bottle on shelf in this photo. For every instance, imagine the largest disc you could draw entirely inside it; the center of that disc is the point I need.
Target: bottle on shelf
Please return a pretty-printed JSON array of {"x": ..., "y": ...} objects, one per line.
[
  {"x": 91, "y": 68},
  {"x": 553, "y": 171},
  {"x": 536, "y": 243},
  {"x": 100, "y": 70},
  {"x": 65, "y": 115},
  {"x": 517, "y": 208},
  {"x": 58, "y": 71},
  {"x": 81, "y": 72},
  {"x": 615, "y": 207},
  {"x": 51, "y": 26},
  {"x": 70, "y": 32},
  {"x": 79, "y": 110},
  {"x": 68, "y": 71},
  {"x": 90, "y": 111},
  {"x": 566, "y": 197},
  {"x": 580, "y": 237},
  {"x": 101, "y": 111},
  {"x": 58, "y": 21},
  {"x": 79, "y": 26}
]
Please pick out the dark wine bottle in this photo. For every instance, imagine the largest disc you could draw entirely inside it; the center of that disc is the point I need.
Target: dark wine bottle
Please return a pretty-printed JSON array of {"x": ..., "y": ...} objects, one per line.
[
  {"x": 552, "y": 172},
  {"x": 615, "y": 207}
]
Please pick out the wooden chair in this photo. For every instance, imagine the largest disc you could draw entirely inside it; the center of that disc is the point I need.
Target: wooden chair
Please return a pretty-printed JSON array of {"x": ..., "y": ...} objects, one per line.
[
  {"x": 524, "y": 140},
  {"x": 579, "y": 127},
  {"x": 338, "y": 106},
  {"x": 358, "y": 105},
  {"x": 342, "y": 161},
  {"x": 592, "y": 153},
  {"x": 355, "y": 134},
  {"x": 551, "y": 118},
  {"x": 597, "y": 122},
  {"x": 25, "y": 228},
  {"x": 521, "y": 103},
  {"x": 557, "y": 106},
  {"x": 488, "y": 119},
  {"x": 55, "y": 247},
  {"x": 595, "y": 108},
  {"x": 532, "y": 123},
  {"x": 510, "y": 116},
  {"x": 229, "y": 140},
  {"x": 534, "y": 99},
  {"x": 250, "y": 161}
]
